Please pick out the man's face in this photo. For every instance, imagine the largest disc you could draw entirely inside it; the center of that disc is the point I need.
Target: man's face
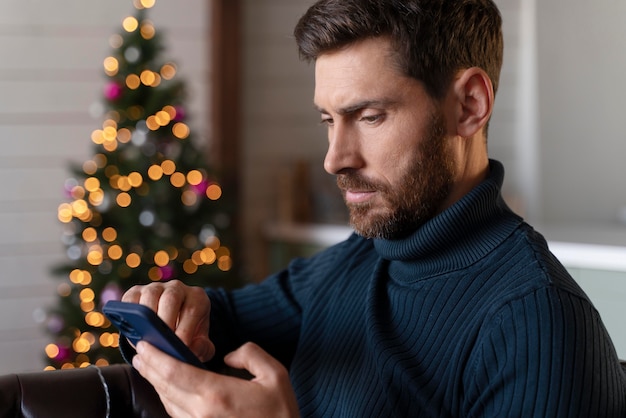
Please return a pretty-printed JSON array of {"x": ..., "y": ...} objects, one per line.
[{"x": 387, "y": 141}]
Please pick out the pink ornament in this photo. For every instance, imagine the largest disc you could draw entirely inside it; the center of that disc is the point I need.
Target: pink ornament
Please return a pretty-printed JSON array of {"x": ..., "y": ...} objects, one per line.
[
  {"x": 180, "y": 113},
  {"x": 199, "y": 188},
  {"x": 167, "y": 272},
  {"x": 64, "y": 353},
  {"x": 112, "y": 91}
]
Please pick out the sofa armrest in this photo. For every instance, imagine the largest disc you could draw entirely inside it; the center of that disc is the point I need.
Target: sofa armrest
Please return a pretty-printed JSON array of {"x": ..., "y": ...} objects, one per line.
[{"x": 111, "y": 391}]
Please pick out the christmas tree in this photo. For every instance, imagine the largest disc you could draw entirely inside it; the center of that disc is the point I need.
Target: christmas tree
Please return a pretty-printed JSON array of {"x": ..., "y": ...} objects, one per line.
[{"x": 144, "y": 208}]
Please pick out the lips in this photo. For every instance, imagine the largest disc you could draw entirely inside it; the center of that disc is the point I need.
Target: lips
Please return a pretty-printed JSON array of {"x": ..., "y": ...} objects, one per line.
[{"x": 353, "y": 196}]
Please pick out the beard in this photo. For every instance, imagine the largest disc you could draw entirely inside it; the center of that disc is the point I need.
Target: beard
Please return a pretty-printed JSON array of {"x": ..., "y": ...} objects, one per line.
[{"x": 417, "y": 198}]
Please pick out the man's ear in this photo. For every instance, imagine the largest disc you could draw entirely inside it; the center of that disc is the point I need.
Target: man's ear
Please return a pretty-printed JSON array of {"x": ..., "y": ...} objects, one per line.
[{"x": 474, "y": 96}]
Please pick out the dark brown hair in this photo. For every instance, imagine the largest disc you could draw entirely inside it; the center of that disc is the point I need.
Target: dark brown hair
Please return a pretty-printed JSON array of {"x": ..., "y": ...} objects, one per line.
[{"x": 432, "y": 38}]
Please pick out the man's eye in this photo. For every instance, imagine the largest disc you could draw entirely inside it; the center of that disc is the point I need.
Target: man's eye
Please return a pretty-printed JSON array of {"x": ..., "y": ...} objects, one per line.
[
  {"x": 326, "y": 121},
  {"x": 372, "y": 118}
]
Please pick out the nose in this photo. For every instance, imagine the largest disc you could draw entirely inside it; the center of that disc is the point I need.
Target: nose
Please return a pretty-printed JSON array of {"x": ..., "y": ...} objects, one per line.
[{"x": 343, "y": 150}]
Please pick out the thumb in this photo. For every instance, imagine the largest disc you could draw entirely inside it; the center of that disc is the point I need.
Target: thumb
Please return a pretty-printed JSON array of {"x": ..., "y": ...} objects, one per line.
[{"x": 255, "y": 360}]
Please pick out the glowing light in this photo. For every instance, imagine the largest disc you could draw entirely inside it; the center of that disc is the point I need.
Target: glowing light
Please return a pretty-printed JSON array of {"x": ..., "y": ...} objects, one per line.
[
  {"x": 170, "y": 110},
  {"x": 92, "y": 184},
  {"x": 178, "y": 179},
  {"x": 214, "y": 192},
  {"x": 123, "y": 200},
  {"x": 168, "y": 71},
  {"x": 130, "y": 24},
  {"x": 190, "y": 267},
  {"x": 113, "y": 178},
  {"x": 155, "y": 274},
  {"x": 180, "y": 130},
  {"x": 208, "y": 255},
  {"x": 147, "y": 30},
  {"x": 82, "y": 277},
  {"x": 115, "y": 252},
  {"x": 147, "y": 3},
  {"x": 109, "y": 133},
  {"x": 152, "y": 123},
  {"x": 133, "y": 81},
  {"x": 147, "y": 77},
  {"x": 95, "y": 319},
  {"x": 97, "y": 137},
  {"x": 133, "y": 260},
  {"x": 111, "y": 66},
  {"x": 110, "y": 123},
  {"x": 108, "y": 340},
  {"x": 123, "y": 183},
  {"x": 64, "y": 213},
  {"x": 79, "y": 207},
  {"x": 90, "y": 234},
  {"x": 194, "y": 177},
  {"x": 78, "y": 192},
  {"x": 81, "y": 344},
  {"x": 155, "y": 172},
  {"x": 197, "y": 257},
  {"x": 124, "y": 135},
  {"x": 100, "y": 160},
  {"x": 96, "y": 197},
  {"x": 102, "y": 362},
  {"x": 162, "y": 117},
  {"x": 87, "y": 306},
  {"x": 52, "y": 350},
  {"x": 90, "y": 167},
  {"x": 161, "y": 258},
  {"x": 135, "y": 179},
  {"x": 224, "y": 263},
  {"x": 168, "y": 167},
  {"x": 95, "y": 256},
  {"x": 109, "y": 234},
  {"x": 189, "y": 198},
  {"x": 110, "y": 145}
]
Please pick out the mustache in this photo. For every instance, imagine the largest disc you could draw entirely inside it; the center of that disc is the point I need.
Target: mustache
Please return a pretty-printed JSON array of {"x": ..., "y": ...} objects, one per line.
[{"x": 355, "y": 181}]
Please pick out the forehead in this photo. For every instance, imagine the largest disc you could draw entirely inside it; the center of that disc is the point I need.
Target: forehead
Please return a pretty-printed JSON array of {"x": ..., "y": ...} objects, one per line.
[{"x": 361, "y": 71}]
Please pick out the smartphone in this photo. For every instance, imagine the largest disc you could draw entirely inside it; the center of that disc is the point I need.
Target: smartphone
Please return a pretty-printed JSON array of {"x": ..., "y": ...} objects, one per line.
[{"x": 138, "y": 322}]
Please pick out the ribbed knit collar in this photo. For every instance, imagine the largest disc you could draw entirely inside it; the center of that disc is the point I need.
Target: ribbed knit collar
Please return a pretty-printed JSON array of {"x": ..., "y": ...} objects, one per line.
[{"x": 457, "y": 237}]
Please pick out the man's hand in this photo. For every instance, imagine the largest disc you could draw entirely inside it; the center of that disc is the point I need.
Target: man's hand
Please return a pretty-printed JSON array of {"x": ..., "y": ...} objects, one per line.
[
  {"x": 187, "y": 391},
  {"x": 183, "y": 308}
]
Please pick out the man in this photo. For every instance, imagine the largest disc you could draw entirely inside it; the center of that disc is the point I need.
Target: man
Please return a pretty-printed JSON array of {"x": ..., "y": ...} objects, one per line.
[{"x": 444, "y": 303}]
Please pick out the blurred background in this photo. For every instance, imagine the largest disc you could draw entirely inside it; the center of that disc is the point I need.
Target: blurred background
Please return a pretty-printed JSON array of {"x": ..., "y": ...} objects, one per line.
[{"x": 557, "y": 128}]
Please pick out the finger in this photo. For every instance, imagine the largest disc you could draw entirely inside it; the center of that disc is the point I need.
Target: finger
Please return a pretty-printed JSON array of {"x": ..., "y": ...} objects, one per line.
[
  {"x": 193, "y": 321},
  {"x": 257, "y": 361},
  {"x": 170, "y": 303},
  {"x": 176, "y": 382},
  {"x": 132, "y": 295},
  {"x": 203, "y": 348}
]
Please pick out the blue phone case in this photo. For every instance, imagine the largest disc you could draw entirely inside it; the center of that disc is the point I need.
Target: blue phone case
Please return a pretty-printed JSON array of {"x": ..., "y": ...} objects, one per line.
[{"x": 138, "y": 322}]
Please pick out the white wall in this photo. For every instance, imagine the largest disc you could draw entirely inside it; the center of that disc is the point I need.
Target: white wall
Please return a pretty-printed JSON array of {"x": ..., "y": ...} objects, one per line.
[
  {"x": 50, "y": 75},
  {"x": 582, "y": 86}
]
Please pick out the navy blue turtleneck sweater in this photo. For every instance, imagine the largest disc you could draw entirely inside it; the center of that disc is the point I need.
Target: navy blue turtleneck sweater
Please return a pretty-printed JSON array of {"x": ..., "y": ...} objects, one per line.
[{"x": 469, "y": 316}]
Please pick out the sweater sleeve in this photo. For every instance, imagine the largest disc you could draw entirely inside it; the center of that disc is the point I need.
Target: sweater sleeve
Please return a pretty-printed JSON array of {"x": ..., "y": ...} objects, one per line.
[
  {"x": 265, "y": 314},
  {"x": 545, "y": 355}
]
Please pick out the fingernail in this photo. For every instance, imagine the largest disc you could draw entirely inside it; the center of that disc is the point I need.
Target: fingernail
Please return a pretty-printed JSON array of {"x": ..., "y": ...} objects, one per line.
[{"x": 136, "y": 362}]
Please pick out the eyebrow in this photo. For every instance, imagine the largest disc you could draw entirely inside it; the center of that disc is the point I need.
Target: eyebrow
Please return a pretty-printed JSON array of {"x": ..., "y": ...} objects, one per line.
[{"x": 364, "y": 104}]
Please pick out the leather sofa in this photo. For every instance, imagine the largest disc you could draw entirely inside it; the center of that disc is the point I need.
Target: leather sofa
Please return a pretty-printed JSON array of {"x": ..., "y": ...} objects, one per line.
[{"x": 93, "y": 392}]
